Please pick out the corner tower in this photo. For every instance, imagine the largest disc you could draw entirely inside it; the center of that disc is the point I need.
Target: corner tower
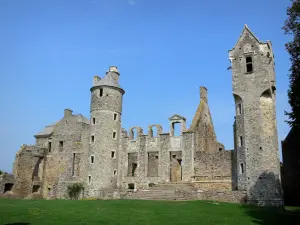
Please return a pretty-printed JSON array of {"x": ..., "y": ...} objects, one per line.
[
  {"x": 106, "y": 111},
  {"x": 256, "y": 140}
]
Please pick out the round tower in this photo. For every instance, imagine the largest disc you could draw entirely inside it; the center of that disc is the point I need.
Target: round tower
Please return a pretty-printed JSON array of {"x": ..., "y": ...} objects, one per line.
[{"x": 105, "y": 128}]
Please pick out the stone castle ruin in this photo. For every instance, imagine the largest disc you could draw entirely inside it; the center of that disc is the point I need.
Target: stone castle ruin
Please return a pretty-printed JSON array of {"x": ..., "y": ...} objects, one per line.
[{"x": 112, "y": 162}]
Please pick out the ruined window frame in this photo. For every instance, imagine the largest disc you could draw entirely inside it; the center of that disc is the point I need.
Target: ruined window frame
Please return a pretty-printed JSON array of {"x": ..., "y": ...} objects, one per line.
[{"x": 249, "y": 63}]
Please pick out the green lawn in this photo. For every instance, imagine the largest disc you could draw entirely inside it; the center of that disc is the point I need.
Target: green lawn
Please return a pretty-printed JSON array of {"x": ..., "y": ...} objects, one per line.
[{"x": 137, "y": 212}]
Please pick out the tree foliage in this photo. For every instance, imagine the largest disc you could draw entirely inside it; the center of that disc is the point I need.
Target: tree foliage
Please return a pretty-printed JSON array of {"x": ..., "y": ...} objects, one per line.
[
  {"x": 292, "y": 27},
  {"x": 1, "y": 172},
  {"x": 74, "y": 190}
]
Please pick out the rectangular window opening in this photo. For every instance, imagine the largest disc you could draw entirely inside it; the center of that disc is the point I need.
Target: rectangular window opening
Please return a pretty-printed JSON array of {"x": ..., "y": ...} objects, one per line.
[
  {"x": 241, "y": 141},
  {"x": 115, "y": 116},
  {"x": 92, "y": 138},
  {"x": 242, "y": 168},
  {"x": 92, "y": 159},
  {"x": 101, "y": 92},
  {"x": 94, "y": 120},
  {"x": 249, "y": 59},
  {"x": 114, "y": 134},
  {"x": 131, "y": 186},
  {"x": 249, "y": 64},
  {"x": 8, "y": 187},
  {"x": 113, "y": 154}
]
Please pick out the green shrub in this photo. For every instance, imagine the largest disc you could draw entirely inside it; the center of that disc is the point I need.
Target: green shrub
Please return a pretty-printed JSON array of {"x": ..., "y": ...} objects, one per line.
[{"x": 74, "y": 190}]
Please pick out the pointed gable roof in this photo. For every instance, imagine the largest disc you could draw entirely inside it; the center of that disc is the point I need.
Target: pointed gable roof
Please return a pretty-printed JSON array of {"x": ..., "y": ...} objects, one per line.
[
  {"x": 245, "y": 30},
  {"x": 177, "y": 117}
]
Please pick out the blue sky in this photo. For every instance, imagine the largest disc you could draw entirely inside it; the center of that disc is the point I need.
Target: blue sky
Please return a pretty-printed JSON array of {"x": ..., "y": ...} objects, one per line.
[{"x": 51, "y": 49}]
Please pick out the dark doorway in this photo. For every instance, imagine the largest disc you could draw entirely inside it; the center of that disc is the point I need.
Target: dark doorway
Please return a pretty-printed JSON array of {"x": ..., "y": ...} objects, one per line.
[
  {"x": 175, "y": 167},
  {"x": 8, "y": 187}
]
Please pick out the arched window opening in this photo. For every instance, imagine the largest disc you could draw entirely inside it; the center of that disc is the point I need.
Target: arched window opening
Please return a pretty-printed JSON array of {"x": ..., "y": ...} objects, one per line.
[
  {"x": 154, "y": 131},
  {"x": 134, "y": 133},
  {"x": 176, "y": 129}
]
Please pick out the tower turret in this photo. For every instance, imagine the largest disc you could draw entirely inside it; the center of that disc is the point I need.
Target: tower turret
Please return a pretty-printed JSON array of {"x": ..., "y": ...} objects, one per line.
[
  {"x": 105, "y": 111},
  {"x": 256, "y": 141}
]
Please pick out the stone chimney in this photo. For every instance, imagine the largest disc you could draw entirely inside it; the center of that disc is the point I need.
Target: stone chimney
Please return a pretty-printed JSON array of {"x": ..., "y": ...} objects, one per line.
[
  {"x": 203, "y": 93},
  {"x": 68, "y": 112},
  {"x": 114, "y": 72}
]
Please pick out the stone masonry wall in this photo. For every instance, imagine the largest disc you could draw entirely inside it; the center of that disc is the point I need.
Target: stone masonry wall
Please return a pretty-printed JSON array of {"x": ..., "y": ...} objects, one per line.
[
  {"x": 213, "y": 171},
  {"x": 65, "y": 161}
]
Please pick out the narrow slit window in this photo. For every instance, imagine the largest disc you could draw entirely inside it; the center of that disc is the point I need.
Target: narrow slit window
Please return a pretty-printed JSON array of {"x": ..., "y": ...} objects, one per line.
[
  {"x": 49, "y": 146},
  {"x": 101, "y": 92},
  {"x": 249, "y": 64},
  {"x": 239, "y": 108},
  {"x": 115, "y": 172},
  {"x": 115, "y": 116},
  {"x": 90, "y": 179},
  {"x": 241, "y": 141},
  {"x": 242, "y": 168},
  {"x": 94, "y": 120},
  {"x": 114, "y": 134},
  {"x": 92, "y": 159},
  {"x": 92, "y": 138},
  {"x": 61, "y": 146},
  {"x": 73, "y": 165},
  {"x": 113, "y": 155}
]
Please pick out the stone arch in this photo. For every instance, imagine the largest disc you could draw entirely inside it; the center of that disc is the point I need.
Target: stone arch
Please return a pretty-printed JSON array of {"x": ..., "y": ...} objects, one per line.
[
  {"x": 239, "y": 106},
  {"x": 267, "y": 111},
  {"x": 135, "y": 132},
  {"x": 151, "y": 132},
  {"x": 175, "y": 119}
]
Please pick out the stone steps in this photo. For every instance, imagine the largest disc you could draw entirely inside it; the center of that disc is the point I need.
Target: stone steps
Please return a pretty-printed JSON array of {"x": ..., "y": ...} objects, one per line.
[{"x": 163, "y": 191}]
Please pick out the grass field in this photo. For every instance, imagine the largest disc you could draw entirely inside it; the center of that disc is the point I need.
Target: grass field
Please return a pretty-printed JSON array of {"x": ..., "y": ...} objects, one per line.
[{"x": 123, "y": 212}]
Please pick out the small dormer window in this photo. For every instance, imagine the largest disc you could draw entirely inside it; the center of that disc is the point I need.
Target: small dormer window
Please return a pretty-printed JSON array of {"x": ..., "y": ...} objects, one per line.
[{"x": 249, "y": 64}]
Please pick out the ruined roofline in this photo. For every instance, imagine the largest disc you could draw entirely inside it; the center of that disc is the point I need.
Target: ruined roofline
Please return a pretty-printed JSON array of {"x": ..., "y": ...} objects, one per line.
[{"x": 246, "y": 28}]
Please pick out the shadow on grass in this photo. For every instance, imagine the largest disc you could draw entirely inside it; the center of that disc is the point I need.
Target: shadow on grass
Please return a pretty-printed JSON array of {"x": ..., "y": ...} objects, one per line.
[
  {"x": 17, "y": 224},
  {"x": 272, "y": 216},
  {"x": 272, "y": 213}
]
